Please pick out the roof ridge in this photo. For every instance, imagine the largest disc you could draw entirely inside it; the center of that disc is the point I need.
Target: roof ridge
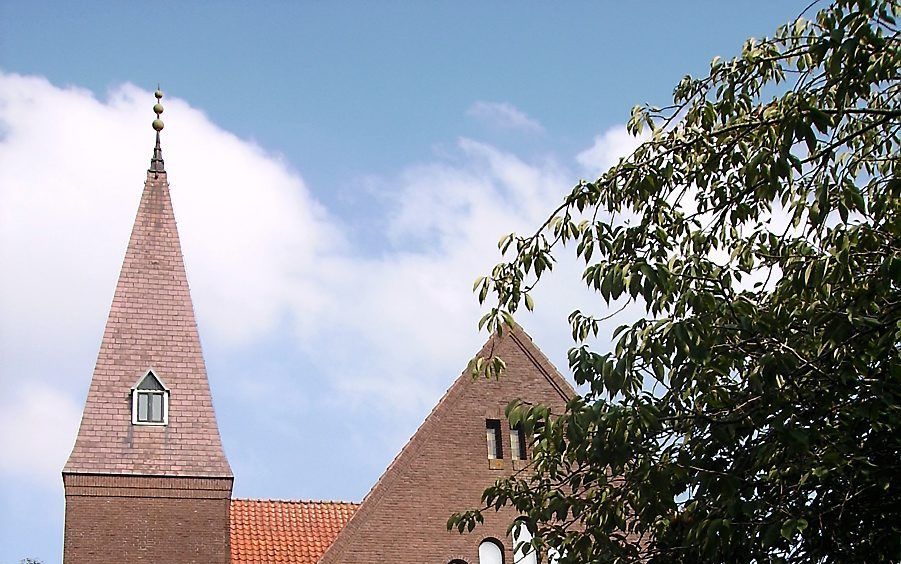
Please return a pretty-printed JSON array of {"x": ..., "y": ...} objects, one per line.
[
  {"x": 297, "y": 501},
  {"x": 541, "y": 361}
]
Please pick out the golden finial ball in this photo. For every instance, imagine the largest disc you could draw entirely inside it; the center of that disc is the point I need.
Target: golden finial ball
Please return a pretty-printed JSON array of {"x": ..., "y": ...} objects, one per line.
[
  {"x": 157, "y": 109},
  {"x": 158, "y": 124},
  {"x": 158, "y": 94}
]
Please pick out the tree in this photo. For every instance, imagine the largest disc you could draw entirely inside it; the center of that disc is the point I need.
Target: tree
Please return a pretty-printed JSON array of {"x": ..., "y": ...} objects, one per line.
[{"x": 752, "y": 414}]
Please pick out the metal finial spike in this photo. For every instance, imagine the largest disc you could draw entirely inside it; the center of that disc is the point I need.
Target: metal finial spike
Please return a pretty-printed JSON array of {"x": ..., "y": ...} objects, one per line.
[
  {"x": 158, "y": 109},
  {"x": 156, "y": 163}
]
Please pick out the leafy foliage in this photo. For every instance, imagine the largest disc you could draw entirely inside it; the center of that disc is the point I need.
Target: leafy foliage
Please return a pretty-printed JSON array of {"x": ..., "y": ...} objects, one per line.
[{"x": 752, "y": 414}]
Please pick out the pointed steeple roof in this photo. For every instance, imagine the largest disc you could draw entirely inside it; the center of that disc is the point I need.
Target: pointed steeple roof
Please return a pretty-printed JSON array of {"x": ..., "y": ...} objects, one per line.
[{"x": 151, "y": 326}]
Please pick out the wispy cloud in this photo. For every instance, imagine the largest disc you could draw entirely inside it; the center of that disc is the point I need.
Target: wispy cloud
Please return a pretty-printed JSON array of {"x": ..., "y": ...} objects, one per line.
[
  {"x": 37, "y": 428},
  {"x": 607, "y": 149},
  {"x": 504, "y": 115}
]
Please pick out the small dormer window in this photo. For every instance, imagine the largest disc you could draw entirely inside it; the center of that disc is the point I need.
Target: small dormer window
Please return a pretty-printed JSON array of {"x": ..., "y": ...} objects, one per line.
[{"x": 150, "y": 401}]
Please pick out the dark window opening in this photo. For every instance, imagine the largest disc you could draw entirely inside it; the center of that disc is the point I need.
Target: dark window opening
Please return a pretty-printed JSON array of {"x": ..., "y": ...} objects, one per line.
[
  {"x": 518, "y": 442},
  {"x": 493, "y": 435},
  {"x": 150, "y": 407}
]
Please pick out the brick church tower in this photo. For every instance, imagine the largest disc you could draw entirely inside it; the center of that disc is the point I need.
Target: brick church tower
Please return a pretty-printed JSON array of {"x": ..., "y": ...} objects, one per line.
[{"x": 147, "y": 480}]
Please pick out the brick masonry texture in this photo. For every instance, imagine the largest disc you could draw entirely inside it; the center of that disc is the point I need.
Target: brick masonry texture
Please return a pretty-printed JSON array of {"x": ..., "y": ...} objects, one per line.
[
  {"x": 445, "y": 468},
  {"x": 264, "y": 531},
  {"x": 151, "y": 325},
  {"x": 134, "y": 519}
]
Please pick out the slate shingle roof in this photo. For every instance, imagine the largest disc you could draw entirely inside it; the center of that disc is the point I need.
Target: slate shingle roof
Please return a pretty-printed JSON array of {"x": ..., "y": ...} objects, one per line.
[
  {"x": 151, "y": 325},
  {"x": 299, "y": 532}
]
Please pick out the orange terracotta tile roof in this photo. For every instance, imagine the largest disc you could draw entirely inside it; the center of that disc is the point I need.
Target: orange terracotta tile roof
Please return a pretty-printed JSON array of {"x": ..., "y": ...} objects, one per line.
[{"x": 299, "y": 532}]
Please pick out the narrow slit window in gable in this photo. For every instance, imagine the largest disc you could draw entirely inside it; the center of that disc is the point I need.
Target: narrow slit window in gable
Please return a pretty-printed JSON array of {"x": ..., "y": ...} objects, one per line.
[
  {"x": 517, "y": 442},
  {"x": 493, "y": 435}
]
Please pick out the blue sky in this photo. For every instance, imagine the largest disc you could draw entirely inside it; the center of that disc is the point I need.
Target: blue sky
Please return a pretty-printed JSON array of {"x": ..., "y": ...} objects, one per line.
[{"x": 340, "y": 172}]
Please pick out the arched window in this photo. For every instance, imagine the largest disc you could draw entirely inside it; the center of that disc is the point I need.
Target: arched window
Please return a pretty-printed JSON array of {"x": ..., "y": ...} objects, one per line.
[
  {"x": 149, "y": 401},
  {"x": 457, "y": 561},
  {"x": 523, "y": 553},
  {"x": 491, "y": 552}
]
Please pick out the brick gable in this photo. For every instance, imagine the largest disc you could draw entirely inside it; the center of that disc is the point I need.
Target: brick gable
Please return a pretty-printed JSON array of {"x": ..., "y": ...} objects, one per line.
[{"x": 444, "y": 468}]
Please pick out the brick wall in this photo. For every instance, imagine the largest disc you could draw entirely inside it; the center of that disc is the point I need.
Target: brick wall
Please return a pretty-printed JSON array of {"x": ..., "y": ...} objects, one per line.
[
  {"x": 445, "y": 468},
  {"x": 132, "y": 519}
]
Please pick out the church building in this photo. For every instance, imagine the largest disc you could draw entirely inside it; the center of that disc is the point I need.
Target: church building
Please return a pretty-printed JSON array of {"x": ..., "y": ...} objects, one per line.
[{"x": 148, "y": 481}]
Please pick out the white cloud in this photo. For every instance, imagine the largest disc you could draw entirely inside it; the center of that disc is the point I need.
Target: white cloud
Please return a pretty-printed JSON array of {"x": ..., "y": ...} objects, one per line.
[
  {"x": 71, "y": 180},
  {"x": 73, "y": 169},
  {"x": 37, "y": 429},
  {"x": 504, "y": 116},
  {"x": 266, "y": 261},
  {"x": 416, "y": 313},
  {"x": 607, "y": 149}
]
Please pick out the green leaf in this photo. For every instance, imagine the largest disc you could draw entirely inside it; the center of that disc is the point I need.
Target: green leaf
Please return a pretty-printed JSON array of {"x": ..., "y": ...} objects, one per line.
[{"x": 755, "y": 376}]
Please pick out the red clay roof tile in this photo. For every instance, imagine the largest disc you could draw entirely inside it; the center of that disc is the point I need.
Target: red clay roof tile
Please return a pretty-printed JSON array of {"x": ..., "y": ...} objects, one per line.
[{"x": 299, "y": 532}]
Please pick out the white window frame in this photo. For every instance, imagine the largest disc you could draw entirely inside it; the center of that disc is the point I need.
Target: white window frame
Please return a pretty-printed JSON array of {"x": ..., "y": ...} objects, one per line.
[{"x": 135, "y": 392}]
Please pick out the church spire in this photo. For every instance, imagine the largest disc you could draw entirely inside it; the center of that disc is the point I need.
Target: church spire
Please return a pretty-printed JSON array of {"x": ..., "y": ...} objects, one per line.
[
  {"x": 147, "y": 479},
  {"x": 134, "y": 423},
  {"x": 156, "y": 163}
]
